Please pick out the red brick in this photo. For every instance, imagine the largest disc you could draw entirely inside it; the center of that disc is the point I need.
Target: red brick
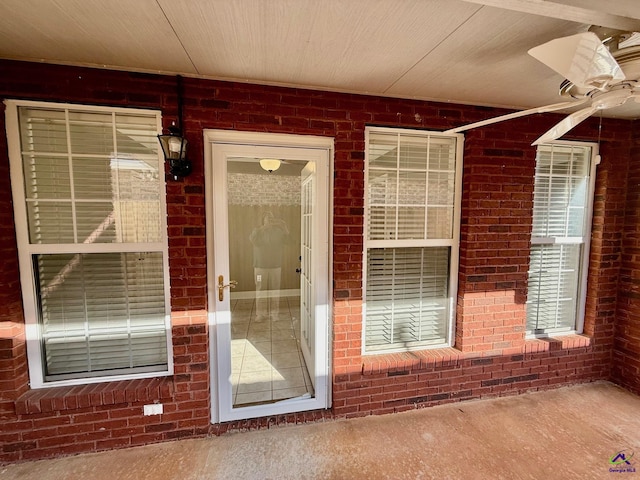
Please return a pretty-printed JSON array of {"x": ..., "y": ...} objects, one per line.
[{"x": 494, "y": 249}]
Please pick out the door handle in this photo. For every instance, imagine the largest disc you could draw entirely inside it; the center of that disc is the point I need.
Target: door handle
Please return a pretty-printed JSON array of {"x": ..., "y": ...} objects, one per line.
[{"x": 222, "y": 286}]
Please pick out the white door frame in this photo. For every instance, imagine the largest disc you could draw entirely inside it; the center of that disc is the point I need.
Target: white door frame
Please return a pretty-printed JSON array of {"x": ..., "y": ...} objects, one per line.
[{"x": 218, "y": 312}]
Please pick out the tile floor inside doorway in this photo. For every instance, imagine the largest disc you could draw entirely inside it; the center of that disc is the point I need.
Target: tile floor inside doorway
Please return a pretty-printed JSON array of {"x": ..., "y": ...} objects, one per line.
[{"x": 266, "y": 362}]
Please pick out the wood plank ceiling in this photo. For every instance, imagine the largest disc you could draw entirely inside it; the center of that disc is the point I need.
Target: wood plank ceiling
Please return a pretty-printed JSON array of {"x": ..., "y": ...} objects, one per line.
[{"x": 472, "y": 51}]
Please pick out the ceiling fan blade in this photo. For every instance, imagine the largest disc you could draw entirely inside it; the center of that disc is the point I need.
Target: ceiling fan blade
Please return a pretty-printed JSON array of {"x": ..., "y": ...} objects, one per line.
[
  {"x": 521, "y": 113},
  {"x": 565, "y": 125},
  {"x": 582, "y": 59}
]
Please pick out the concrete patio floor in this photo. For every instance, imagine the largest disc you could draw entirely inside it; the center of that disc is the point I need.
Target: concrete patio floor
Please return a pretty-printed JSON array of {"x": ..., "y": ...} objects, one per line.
[{"x": 566, "y": 433}]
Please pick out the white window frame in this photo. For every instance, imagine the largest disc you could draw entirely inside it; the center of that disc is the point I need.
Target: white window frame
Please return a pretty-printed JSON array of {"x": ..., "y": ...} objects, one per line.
[
  {"x": 453, "y": 243},
  {"x": 26, "y": 249},
  {"x": 581, "y": 298}
]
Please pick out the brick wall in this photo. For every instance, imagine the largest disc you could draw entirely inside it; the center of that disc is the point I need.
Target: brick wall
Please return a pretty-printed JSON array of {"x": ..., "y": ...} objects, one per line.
[
  {"x": 626, "y": 370},
  {"x": 497, "y": 205},
  {"x": 13, "y": 355},
  {"x": 491, "y": 356}
]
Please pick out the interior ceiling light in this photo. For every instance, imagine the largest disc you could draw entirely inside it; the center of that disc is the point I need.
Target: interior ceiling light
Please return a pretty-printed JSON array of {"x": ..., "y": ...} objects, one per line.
[{"x": 270, "y": 164}]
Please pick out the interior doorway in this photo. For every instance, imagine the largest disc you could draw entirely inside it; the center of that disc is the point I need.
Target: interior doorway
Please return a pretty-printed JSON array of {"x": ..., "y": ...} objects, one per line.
[{"x": 268, "y": 245}]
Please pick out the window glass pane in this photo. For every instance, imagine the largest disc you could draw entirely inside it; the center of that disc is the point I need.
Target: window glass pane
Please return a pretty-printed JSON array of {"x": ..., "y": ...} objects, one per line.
[
  {"x": 577, "y": 206},
  {"x": 50, "y": 222},
  {"x": 382, "y": 223},
  {"x": 46, "y": 177},
  {"x": 425, "y": 177},
  {"x": 410, "y": 223},
  {"x": 92, "y": 178},
  {"x": 382, "y": 187},
  {"x": 125, "y": 185},
  {"x": 413, "y": 152},
  {"x": 43, "y": 130},
  {"x": 97, "y": 309},
  {"x": 91, "y": 133},
  {"x": 442, "y": 154},
  {"x": 137, "y": 221},
  {"x": 441, "y": 188},
  {"x": 383, "y": 150},
  {"x": 560, "y": 193},
  {"x": 137, "y": 135},
  {"x": 411, "y": 188},
  {"x": 146, "y": 347},
  {"x": 137, "y": 178},
  {"x": 407, "y": 297},
  {"x": 95, "y": 222},
  {"x": 439, "y": 222},
  {"x": 553, "y": 287}
]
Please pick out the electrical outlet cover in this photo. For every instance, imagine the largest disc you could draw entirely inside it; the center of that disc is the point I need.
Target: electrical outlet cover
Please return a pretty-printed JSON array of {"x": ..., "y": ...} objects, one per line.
[{"x": 153, "y": 409}]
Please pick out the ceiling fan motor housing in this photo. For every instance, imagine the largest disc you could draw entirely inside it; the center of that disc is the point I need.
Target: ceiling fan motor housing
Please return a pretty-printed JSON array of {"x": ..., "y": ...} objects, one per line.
[
  {"x": 612, "y": 98},
  {"x": 629, "y": 61}
]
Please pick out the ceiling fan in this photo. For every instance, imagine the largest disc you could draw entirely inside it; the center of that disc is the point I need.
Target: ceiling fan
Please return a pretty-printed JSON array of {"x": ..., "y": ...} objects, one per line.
[{"x": 600, "y": 72}]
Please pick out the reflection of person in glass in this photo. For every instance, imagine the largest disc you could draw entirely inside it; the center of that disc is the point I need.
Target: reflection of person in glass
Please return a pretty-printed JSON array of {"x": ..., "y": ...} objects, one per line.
[{"x": 268, "y": 242}]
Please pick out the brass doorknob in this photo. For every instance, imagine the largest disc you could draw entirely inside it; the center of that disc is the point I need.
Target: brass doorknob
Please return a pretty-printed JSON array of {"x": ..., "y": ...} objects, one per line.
[{"x": 222, "y": 286}]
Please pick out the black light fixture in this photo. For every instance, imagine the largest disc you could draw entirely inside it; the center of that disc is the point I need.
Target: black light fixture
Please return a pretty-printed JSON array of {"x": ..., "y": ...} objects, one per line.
[{"x": 174, "y": 145}]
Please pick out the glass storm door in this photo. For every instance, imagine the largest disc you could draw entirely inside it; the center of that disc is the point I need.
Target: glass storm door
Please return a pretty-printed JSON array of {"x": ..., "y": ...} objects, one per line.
[{"x": 269, "y": 279}]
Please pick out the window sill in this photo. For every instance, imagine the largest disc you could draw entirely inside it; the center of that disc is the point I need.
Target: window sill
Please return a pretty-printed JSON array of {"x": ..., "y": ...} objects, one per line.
[
  {"x": 57, "y": 399},
  {"x": 403, "y": 362},
  {"x": 556, "y": 343}
]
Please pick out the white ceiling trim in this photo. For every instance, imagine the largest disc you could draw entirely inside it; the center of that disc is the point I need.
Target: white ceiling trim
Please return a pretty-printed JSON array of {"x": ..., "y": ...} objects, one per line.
[
  {"x": 596, "y": 13},
  {"x": 624, "y": 8}
]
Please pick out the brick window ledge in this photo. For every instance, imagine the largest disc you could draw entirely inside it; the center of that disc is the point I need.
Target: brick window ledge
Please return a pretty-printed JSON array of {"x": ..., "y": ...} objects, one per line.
[
  {"x": 557, "y": 343},
  {"x": 57, "y": 399},
  {"x": 403, "y": 362}
]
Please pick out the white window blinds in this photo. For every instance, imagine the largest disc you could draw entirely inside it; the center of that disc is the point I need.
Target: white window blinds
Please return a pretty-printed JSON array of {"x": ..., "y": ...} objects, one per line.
[
  {"x": 90, "y": 178},
  {"x": 93, "y": 197},
  {"x": 561, "y": 228},
  {"x": 102, "y": 311},
  {"x": 411, "y": 239},
  {"x": 407, "y": 296},
  {"x": 410, "y": 187}
]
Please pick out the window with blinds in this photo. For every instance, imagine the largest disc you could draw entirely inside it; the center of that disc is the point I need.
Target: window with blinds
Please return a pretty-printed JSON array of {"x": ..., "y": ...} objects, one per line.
[
  {"x": 562, "y": 202},
  {"x": 90, "y": 218},
  {"x": 412, "y": 218}
]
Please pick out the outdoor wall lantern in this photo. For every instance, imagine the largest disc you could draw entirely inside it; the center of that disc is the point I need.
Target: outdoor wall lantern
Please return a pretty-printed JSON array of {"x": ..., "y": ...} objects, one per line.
[{"x": 174, "y": 145}]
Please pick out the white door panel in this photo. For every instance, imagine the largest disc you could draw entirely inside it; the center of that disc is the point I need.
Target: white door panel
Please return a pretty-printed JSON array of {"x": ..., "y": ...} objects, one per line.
[{"x": 263, "y": 226}]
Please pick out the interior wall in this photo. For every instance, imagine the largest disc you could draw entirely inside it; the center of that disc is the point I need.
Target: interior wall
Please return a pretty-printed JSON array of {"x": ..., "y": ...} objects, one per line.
[
  {"x": 243, "y": 220},
  {"x": 251, "y": 197}
]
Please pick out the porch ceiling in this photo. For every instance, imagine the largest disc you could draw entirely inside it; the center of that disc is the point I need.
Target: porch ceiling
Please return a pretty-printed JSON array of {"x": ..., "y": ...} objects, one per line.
[{"x": 471, "y": 52}]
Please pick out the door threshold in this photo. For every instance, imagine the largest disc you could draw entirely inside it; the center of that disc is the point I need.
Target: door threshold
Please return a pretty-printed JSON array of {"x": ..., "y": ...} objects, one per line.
[{"x": 306, "y": 396}]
